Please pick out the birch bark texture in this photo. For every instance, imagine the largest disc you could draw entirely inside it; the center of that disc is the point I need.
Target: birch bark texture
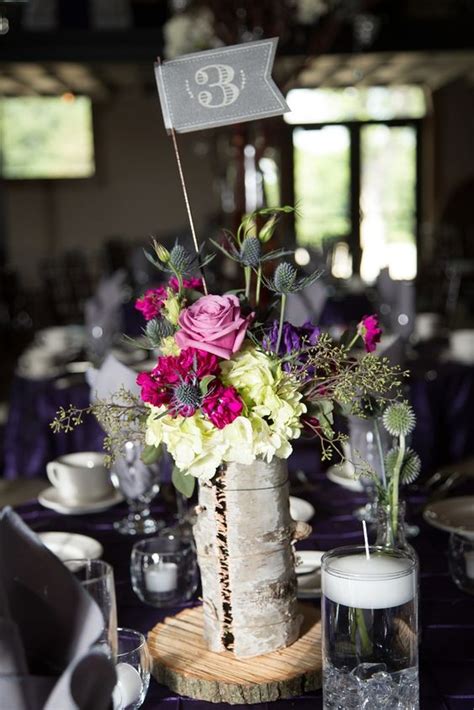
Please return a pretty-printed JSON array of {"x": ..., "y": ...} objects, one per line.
[{"x": 244, "y": 535}]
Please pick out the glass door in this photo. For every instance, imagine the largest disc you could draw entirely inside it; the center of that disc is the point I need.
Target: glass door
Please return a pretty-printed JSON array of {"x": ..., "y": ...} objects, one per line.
[{"x": 388, "y": 201}]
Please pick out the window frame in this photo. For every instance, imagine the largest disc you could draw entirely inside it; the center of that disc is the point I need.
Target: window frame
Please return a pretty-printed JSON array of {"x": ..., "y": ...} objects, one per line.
[{"x": 355, "y": 168}]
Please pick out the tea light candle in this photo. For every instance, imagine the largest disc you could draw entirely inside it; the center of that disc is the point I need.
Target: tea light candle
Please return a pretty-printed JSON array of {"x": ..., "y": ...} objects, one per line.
[
  {"x": 469, "y": 559},
  {"x": 356, "y": 581},
  {"x": 129, "y": 685},
  {"x": 161, "y": 577}
]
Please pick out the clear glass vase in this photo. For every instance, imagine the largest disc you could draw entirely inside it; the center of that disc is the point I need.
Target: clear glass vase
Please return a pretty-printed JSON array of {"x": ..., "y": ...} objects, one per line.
[
  {"x": 369, "y": 443},
  {"x": 388, "y": 533}
]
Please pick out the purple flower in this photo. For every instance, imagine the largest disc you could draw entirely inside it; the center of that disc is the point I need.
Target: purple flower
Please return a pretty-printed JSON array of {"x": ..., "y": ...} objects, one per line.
[{"x": 294, "y": 339}]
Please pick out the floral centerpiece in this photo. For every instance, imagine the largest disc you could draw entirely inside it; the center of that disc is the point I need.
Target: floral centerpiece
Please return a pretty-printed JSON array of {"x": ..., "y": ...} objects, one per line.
[{"x": 233, "y": 387}]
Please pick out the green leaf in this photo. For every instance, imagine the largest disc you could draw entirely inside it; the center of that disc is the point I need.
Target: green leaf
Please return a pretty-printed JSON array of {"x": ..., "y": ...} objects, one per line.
[
  {"x": 151, "y": 454},
  {"x": 183, "y": 482},
  {"x": 204, "y": 384}
]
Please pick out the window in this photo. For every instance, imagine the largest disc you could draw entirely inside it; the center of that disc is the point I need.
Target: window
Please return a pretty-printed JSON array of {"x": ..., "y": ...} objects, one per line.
[
  {"x": 46, "y": 137},
  {"x": 355, "y": 176}
]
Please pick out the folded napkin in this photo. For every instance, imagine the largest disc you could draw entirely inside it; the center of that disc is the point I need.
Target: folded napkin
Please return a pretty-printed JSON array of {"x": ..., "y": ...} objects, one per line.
[
  {"x": 112, "y": 376},
  {"x": 103, "y": 313},
  {"x": 48, "y": 627}
]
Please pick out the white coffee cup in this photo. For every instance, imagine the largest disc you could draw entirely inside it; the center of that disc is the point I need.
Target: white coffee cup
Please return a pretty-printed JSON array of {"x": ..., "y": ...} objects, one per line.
[{"x": 81, "y": 477}]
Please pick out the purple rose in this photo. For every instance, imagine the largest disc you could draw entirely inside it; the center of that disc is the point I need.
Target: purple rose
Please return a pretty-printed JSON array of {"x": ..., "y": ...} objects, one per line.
[{"x": 294, "y": 339}]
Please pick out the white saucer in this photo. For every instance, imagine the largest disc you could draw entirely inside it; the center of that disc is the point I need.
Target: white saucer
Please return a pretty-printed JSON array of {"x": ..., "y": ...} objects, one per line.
[
  {"x": 455, "y": 515},
  {"x": 308, "y": 573},
  {"x": 51, "y": 499},
  {"x": 300, "y": 509},
  {"x": 70, "y": 546},
  {"x": 343, "y": 475}
]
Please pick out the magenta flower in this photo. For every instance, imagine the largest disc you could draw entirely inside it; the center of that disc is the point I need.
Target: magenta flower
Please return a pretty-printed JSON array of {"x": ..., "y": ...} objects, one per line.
[
  {"x": 150, "y": 304},
  {"x": 192, "y": 283},
  {"x": 222, "y": 405},
  {"x": 370, "y": 332}
]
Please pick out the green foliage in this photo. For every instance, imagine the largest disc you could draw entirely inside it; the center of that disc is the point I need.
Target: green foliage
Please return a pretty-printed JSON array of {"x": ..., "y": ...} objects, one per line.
[
  {"x": 184, "y": 483},
  {"x": 151, "y": 454}
]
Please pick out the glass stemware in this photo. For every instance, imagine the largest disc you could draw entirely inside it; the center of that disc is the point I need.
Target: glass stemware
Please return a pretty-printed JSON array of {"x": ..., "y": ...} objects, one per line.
[
  {"x": 97, "y": 578},
  {"x": 139, "y": 483},
  {"x": 133, "y": 670}
]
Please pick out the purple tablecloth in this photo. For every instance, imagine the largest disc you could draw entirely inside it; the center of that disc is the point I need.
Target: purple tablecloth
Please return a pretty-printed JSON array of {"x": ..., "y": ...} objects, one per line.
[{"x": 447, "y": 614}]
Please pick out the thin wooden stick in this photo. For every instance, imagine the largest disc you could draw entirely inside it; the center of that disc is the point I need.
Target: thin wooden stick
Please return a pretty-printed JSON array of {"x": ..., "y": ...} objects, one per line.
[
  {"x": 188, "y": 206},
  {"x": 171, "y": 132}
]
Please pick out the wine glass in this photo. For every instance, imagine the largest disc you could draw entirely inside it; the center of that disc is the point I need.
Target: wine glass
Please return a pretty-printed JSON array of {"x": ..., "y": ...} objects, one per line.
[
  {"x": 97, "y": 578},
  {"x": 139, "y": 483}
]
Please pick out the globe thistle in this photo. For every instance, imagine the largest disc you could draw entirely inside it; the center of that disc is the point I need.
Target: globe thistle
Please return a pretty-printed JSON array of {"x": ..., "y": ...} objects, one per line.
[
  {"x": 186, "y": 399},
  {"x": 285, "y": 279},
  {"x": 250, "y": 252},
  {"x": 411, "y": 464},
  {"x": 399, "y": 419},
  {"x": 157, "y": 329},
  {"x": 178, "y": 261}
]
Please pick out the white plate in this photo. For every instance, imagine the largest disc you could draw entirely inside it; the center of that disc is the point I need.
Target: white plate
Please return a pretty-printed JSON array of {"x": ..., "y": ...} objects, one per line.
[
  {"x": 50, "y": 499},
  {"x": 70, "y": 546},
  {"x": 454, "y": 515},
  {"x": 343, "y": 475},
  {"x": 300, "y": 509},
  {"x": 308, "y": 574}
]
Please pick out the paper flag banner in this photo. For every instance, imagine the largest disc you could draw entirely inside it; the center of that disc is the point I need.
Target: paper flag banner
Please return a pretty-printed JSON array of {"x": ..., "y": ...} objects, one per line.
[{"x": 219, "y": 87}]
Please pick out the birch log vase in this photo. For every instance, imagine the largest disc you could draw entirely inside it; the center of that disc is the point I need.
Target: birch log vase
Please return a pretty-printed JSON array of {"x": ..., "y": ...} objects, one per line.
[{"x": 244, "y": 534}]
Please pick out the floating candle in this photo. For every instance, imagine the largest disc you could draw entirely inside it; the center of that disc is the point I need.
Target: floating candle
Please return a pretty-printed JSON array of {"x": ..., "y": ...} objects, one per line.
[
  {"x": 376, "y": 583},
  {"x": 161, "y": 577}
]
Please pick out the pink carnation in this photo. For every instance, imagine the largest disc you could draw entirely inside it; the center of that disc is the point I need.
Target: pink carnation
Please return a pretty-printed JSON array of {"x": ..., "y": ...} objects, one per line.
[
  {"x": 370, "y": 332},
  {"x": 193, "y": 283},
  {"x": 158, "y": 386},
  {"x": 222, "y": 405},
  {"x": 214, "y": 324},
  {"x": 152, "y": 391},
  {"x": 151, "y": 302}
]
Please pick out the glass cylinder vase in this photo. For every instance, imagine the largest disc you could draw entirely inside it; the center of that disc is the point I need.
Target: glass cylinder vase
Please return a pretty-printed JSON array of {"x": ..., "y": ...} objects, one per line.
[{"x": 369, "y": 629}]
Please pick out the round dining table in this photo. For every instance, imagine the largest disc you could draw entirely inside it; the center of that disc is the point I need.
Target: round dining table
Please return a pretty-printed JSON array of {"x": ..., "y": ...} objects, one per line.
[{"x": 446, "y": 613}]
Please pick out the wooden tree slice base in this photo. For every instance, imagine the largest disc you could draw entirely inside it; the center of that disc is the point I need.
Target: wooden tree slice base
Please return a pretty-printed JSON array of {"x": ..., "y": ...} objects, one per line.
[{"x": 182, "y": 661}]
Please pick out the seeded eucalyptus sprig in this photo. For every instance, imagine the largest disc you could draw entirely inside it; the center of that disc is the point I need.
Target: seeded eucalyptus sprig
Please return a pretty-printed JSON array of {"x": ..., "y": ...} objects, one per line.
[{"x": 121, "y": 417}]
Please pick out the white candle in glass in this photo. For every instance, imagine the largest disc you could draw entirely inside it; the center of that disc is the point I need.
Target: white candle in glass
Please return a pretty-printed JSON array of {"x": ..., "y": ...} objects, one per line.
[
  {"x": 129, "y": 686},
  {"x": 161, "y": 577},
  {"x": 469, "y": 559},
  {"x": 379, "y": 582}
]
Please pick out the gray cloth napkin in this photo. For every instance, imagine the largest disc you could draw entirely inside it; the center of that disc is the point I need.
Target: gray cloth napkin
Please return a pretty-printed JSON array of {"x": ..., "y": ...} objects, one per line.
[{"x": 48, "y": 626}]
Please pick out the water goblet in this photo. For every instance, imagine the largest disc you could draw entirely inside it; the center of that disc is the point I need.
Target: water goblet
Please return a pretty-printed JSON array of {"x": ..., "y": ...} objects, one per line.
[
  {"x": 97, "y": 578},
  {"x": 133, "y": 670},
  {"x": 139, "y": 483},
  {"x": 461, "y": 561}
]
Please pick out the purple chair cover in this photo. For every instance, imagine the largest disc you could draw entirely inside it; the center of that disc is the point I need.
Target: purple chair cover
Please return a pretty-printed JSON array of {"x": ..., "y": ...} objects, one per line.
[{"x": 447, "y": 614}]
